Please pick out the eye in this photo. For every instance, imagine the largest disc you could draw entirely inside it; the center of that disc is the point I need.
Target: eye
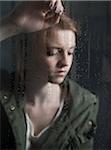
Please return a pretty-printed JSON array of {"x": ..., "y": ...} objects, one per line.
[
  {"x": 52, "y": 51},
  {"x": 71, "y": 52}
]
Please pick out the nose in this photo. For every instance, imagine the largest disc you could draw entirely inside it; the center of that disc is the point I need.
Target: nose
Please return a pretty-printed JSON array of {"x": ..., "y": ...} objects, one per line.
[{"x": 63, "y": 61}]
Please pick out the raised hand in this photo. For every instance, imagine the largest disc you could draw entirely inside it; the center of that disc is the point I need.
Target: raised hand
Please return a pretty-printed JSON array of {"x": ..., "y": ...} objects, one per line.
[{"x": 31, "y": 16}]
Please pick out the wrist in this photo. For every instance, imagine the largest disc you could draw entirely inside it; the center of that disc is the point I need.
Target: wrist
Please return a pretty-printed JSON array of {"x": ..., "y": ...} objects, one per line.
[
  {"x": 8, "y": 28},
  {"x": 13, "y": 26}
]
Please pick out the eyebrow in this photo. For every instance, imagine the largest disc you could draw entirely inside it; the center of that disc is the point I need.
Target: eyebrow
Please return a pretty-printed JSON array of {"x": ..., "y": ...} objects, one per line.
[
  {"x": 73, "y": 47},
  {"x": 56, "y": 47}
]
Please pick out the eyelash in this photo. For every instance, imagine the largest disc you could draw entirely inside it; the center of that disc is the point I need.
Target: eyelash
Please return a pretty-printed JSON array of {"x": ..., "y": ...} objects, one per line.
[
  {"x": 70, "y": 53},
  {"x": 52, "y": 53}
]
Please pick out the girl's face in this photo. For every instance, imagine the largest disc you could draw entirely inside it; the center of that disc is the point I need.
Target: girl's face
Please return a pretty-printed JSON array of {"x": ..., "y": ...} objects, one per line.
[{"x": 55, "y": 58}]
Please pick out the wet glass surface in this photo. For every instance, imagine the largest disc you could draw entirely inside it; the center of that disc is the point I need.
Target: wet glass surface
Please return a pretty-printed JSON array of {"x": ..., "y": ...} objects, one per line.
[{"x": 92, "y": 64}]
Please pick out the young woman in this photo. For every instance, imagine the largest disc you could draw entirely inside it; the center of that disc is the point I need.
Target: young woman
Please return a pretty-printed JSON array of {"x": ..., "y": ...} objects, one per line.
[{"x": 54, "y": 112}]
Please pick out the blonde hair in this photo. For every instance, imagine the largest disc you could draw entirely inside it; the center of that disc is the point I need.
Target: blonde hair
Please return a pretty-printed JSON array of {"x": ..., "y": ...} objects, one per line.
[{"x": 65, "y": 23}]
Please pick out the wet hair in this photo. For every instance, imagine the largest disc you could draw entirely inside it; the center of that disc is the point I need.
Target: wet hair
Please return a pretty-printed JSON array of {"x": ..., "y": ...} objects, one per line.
[{"x": 65, "y": 23}]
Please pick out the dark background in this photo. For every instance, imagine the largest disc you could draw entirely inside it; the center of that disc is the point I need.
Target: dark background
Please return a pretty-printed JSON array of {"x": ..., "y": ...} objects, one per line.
[{"x": 92, "y": 68}]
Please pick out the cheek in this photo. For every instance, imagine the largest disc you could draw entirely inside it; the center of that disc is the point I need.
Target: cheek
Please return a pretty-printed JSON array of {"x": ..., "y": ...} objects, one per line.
[
  {"x": 51, "y": 63},
  {"x": 70, "y": 62}
]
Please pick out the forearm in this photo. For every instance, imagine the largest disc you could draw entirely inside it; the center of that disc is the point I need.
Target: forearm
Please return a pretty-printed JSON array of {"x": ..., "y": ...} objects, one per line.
[
  {"x": 31, "y": 16},
  {"x": 8, "y": 29}
]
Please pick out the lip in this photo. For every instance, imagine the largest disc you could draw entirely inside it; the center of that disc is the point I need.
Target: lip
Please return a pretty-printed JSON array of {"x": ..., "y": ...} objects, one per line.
[
  {"x": 61, "y": 70},
  {"x": 61, "y": 73}
]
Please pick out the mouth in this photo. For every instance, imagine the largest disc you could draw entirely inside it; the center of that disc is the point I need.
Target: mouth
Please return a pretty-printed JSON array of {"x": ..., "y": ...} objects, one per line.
[{"x": 61, "y": 73}]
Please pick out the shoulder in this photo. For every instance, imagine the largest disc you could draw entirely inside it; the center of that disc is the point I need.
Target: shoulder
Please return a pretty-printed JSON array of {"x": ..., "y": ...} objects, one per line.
[
  {"x": 6, "y": 81},
  {"x": 80, "y": 95},
  {"x": 9, "y": 93},
  {"x": 83, "y": 111}
]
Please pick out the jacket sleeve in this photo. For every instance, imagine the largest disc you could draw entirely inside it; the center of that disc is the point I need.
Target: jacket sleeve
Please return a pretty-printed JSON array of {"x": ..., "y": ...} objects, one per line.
[
  {"x": 83, "y": 114},
  {"x": 7, "y": 138},
  {"x": 87, "y": 130},
  {"x": 87, "y": 145},
  {"x": 81, "y": 137}
]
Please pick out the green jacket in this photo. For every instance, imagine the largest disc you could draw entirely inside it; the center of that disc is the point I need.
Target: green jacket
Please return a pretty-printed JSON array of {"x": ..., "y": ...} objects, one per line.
[{"x": 73, "y": 129}]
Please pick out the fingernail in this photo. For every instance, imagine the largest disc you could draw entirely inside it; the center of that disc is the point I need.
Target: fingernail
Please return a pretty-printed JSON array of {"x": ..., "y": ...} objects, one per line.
[{"x": 51, "y": 6}]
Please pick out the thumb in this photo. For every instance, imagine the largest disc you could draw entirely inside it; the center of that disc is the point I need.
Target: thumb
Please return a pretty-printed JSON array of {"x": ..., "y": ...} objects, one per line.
[{"x": 50, "y": 21}]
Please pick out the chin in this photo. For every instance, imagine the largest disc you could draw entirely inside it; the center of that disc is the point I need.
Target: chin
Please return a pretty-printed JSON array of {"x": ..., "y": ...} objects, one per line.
[{"x": 56, "y": 80}]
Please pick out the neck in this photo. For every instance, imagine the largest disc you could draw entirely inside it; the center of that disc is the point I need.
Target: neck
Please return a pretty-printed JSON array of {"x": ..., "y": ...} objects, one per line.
[{"x": 38, "y": 89}]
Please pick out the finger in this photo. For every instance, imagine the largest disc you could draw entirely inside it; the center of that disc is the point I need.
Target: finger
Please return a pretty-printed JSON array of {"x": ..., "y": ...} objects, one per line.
[
  {"x": 59, "y": 10},
  {"x": 52, "y": 4},
  {"x": 59, "y": 7},
  {"x": 49, "y": 14},
  {"x": 52, "y": 21}
]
